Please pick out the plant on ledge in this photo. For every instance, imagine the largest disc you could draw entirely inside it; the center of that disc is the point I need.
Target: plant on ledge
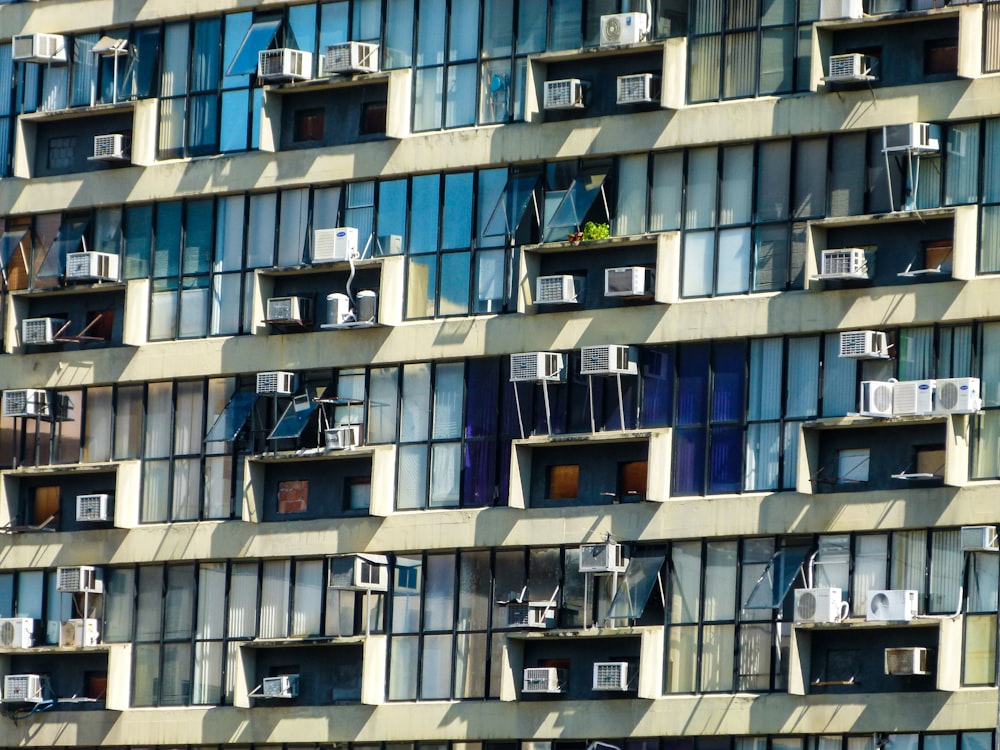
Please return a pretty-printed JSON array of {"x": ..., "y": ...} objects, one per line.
[{"x": 594, "y": 231}]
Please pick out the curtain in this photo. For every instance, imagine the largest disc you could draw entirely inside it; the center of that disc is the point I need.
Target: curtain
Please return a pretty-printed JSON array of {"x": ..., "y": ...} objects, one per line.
[
  {"x": 667, "y": 191},
  {"x": 909, "y": 559},
  {"x": 274, "y": 595},
  {"x": 242, "y": 600},
  {"x": 702, "y": 182},
  {"x": 85, "y": 66},
  {"x": 762, "y": 456},
  {"x": 870, "y": 553},
  {"x": 308, "y": 598},
  {"x": 415, "y": 406},
  {"x": 698, "y": 264},
  {"x": 439, "y": 592},
  {"x": 631, "y": 218},
  {"x": 961, "y": 179},
  {"x": 446, "y": 468},
  {"x": 189, "y": 417},
  {"x": 449, "y": 387},
  {"x": 946, "y": 571},
  {"x": 260, "y": 230},
  {"x": 292, "y": 227},
  {"x": 840, "y": 391},
  {"x": 733, "y": 261},
  {"x": 915, "y": 355},
  {"x": 411, "y": 484}
]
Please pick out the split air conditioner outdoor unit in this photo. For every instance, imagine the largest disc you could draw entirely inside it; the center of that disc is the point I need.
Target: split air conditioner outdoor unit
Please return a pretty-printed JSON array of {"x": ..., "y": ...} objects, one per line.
[
  {"x": 289, "y": 310},
  {"x": 110, "y": 147},
  {"x": 337, "y": 244},
  {"x": 26, "y": 402},
  {"x": 536, "y": 367},
  {"x": 284, "y": 65},
  {"x": 78, "y": 633},
  {"x": 40, "y": 330},
  {"x": 830, "y": 10},
  {"x": 609, "y": 359},
  {"x": 918, "y": 137},
  {"x": 544, "y": 680},
  {"x": 876, "y": 398},
  {"x": 606, "y": 557},
  {"x": 39, "y": 48},
  {"x": 849, "y": 68},
  {"x": 342, "y": 437},
  {"x": 282, "y": 686},
  {"x": 92, "y": 508},
  {"x": 565, "y": 93},
  {"x": 22, "y": 688},
  {"x": 366, "y": 303},
  {"x": 539, "y": 615},
  {"x": 350, "y": 57},
  {"x": 906, "y": 662},
  {"x": 79, "y": 579},
  {"x": 957, "y": 396},
  {"x": 557, "y": 290},
  {"x": 913, "y": 397},
  {"x": 17, "y": 632},
  {"x": 891, "y": 605},
  {"x": 979, "y": 539},
  {"x": 846, "y": 263},
  {"x": 628, "y": 281},
  {"x": 279, "y": 383},
  {"x": 819, "y": 605},
  {"x": 863, "y": 345},
  {"x": 91, "y": 266},
  {"x": 638, "y": 88},
  {"x": 623, "y": 28},
  {"x": 611, "y": 676}
]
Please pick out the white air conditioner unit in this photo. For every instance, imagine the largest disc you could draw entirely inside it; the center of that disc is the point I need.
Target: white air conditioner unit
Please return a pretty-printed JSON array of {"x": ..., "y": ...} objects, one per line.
[
  {"x": 957, "y": 396},
  {"x": 22, "y": 688},
  {"x": 26, "y": 402},
  {"x": 819, "y": 605},
  {"x": 284, "y": 65},
  {"x": 282, "y": 686},
  {"x": 565, "y": 93},
  {"x": 289, "y": 310},
  {"x": 609, "y": 359},
  {"x": 876, "y": 398},
  {"x": 846, "y": 263},
  {"x": 623, "y": 28},
  {"x": 891, "y": 605},
  {"x": 91, "y": 266},
  {"x": 543, "y": 680},
  {"x": 92, "y": 508},
  {"x": 557, "y": 290},
  {"x": 277, "y": 382},
  {"x": 628, "y": 281},
  {"x": 79, "y": 579},
  {"x": 638, "y": 88},
  {"x": 605, "y": 557},
  {"x": 40, "y": 330},
  {"x": 79, "y": 633},
  {"x": 536, "y": 367},
  {"x": 540, "y": 615},
  {"x": 342, "y": 437},
  {"x": 17, "y": 632},
  {"x": 916, "y": 137},
  {"x": 906, "y": 662},
  {"x": 39, "y": 48},
  {"x": 913, "y": 397},
  {"x": 371, "y": 573},
  {"x": 830, "y": 10},
  {"x": 337, "y": 244},
  {"x": 611, "y": 676},
  {"x": 350, "y": 57},
  {"x": 979, "y": 539},
  {"x": 110, "y": 147},
  {"x": 849, "y": 68},
  {"x": 864, "y": 345}
]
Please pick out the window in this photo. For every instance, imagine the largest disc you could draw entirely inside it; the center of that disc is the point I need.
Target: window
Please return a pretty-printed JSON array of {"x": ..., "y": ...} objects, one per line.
[
  {"x": 632, "y": 477},
  {"x": 853, "y": 465},
  {"x": 563, "y": 482},
  {"x": 941, "y": 57},
  {"x": 309, "y": 124}
]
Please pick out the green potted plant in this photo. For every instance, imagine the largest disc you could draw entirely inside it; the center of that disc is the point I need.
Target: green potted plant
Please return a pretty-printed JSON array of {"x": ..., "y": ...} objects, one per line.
[{"x": 595, "y": 231}]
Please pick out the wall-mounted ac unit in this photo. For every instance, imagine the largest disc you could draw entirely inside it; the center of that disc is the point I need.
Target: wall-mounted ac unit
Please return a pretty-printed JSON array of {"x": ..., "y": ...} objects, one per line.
[
  {"x": 911, "y": 397},
  {"x": 638, "y": 88},
  {"x": 282, "y": 686},
  {"x": 876, "y": 398},
  {"x": 39, "y": 48},
  {"x": 544, "y": 680},
  {"x": 40, "y": 330},
  {"x": 342, "y": 437},
  {"x": 623, "y": 28},
  {"x": 830, "y": 10},
  {"x": 112, "y": 147},
  {"x": 337, "y": 244},
  {"x": 845, "y": 263},
  {"x": 891, "y": 605},
  {"x": 906, "y": 661},
  {"x": 77, "y": 633},
  {"x": 22, "y": 688},
  {"x": 979, "y": 539},
  {"x": 284, "y": 65},
  {"x": 276, "y": 382},
  {"x": 350, "y": 57},
  {"x": 628, "y": 281},
  {"x": 957, "y": 396},
  {"x": 91, "y": 266},
  {"x": 916, "y": 137},
  {"x": 289, "y": 310},
  {"x": 864, "y": 345},
  {"x": 558, "y": 290},
  {"x": 609, "y": 359},
  {"x": 371, "y": 573},
  {"x": 565, "y": 93},
  {"x": 92, "y": 508},
  {"x": 611, "y": 676},
  {"x": 540, "y": 615},
  {"x": 535, "y": 367},
  {"x": 819, "y": 605},
  {"x": 26, "y": 402},
  {"x": 605, "y": 557},
  {"x": 79, "y": 579},
  {"x": 849, "y": 68},
  {"x": 17, "y": 632}
]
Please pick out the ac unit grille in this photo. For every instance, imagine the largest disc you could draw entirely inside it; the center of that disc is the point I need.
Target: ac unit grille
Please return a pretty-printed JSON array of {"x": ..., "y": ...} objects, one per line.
[
  {"x": 91, "y": 507},
  {"x": 77, "y": 579},
  {"x": 39, "y": 330},
  {"x": 848, "y": 263},
  {"x": 22, "y": 688},
  {"x": 566, "y": 93},
  {"x": 555, "y": 289},
  {"x": 348, "y": 57},
  {"x": 610, "y": 675},
  {"x": 110, "y": 146},
  {"x": 277, "y": 382},
  {"x": 535, "y": 366},
  {"x": 636, "y": 89}
]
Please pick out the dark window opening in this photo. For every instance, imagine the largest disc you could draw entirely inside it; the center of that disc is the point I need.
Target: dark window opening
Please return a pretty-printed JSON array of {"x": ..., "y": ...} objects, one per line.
[
  {"x": 929, "y": 459},
  {"x": 563, "y": 482},
  {"x": 940, "y": 56},
  {"x": 358, "y": 493},
  {"x": 632, "y": 480},
  {"x": 373, "y": 118},
  {"x": 309, "y": 124}
]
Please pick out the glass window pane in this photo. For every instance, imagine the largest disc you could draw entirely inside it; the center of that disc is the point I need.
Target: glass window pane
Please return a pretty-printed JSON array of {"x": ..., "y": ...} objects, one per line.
[{"x": 635, "y": 587}]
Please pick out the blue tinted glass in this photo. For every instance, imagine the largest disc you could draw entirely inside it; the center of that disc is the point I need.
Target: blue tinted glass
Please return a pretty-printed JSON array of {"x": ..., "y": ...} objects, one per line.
[
  {"x": 725, "y": 471},
  {"x": 333, "y": 25},
  {"x": 779, "y": 575},
  {"x": 259, "y": 37},
  {"x": 456, "y": 231},
  {"x": 454, "y": 284},
  {"x": 424, "y": 203},
  {"x": 295, "y": 418},
  {"x": 729, "y": 370},
  {"x": 657, "y": 369},
  {"x": 689, "y": 461},
  {"x": 692, "y": 384},
  {"x": 302, "y": 27},
  {"x": 233, "y": 132},
  {"x": 233, "y": 417},
  {"x": 166, "y": 256},
  {"x": 237, "y": 25},
  {"x": 635, "y": 587}
]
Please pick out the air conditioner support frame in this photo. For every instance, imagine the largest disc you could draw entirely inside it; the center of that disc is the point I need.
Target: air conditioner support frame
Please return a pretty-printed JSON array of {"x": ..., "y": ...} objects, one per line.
[
  {"x": 590, "y": 397},
  {"x": 548, "y": 408}
]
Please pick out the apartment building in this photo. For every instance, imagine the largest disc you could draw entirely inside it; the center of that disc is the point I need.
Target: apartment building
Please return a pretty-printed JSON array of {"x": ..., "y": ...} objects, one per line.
[{"x": 499, "y": 375}]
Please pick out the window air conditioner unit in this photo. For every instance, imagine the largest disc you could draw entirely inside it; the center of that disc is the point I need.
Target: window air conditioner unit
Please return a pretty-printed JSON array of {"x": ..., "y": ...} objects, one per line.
[
  {"x": 565, "y": 93},
  {"x": 876, "y": 398},
  {"x": 289, "y": 310},
  {"x": 610, "y": 676},
  {"x": 638, "y": 88},
  {"x": 891, "y": 605},
  {"x": 606, "y": 557},
  {"x": 26, "y": 402},
  {"x": 957, "y": 396},
  {"x": 342, "y": 437},
  {"x": 623, "y": 28},
  {"x": 284, "y": 65},
  {"x": 350, "y": 57},
  {"x": 979, "y": 539},
  {"x": 110, "y": 147},
  {"x": 540, "y": 615},
  {"x": 17, "y": 632},
  {"x": 91, "y": 266},
  {"x": 848, "y": 263},
  {"x": 22, "y": 688},
  {"x": 282, "y": 686},
  {"x": 337, "y": 244},
  {"x": 819, "y": 605},
  {"x": 557, "y": 290},
  {"x": 917, "y": 137},
  {"x": 92, "y": 508},
  {"x": 830, "y": 10},
  {"x": 628, "y": 281},
  {"x": 40, "y": 330},
  {"x": 849, "y": 68},
  {"x": 278, "y": 383},
  {"x": 863, "y": 345},
  {"x": 79, "y": 579},
  {"x": 913, "y": 397},
  {"x": 371, "y": 574},
  {"x": 906, "y": 661},
  {"x": 79, "y": 633},
  {"x": 39, "y": 48},
  {"x": 543, "y": 680},
  {"x": 609, "y": 359},
  {"x": 536, "y": 367}
]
